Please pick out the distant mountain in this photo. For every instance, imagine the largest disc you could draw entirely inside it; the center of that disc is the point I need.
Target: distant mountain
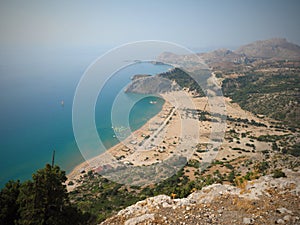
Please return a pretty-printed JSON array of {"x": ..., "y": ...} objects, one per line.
[
  {"x": 219, "y": 53},
  {"x": 276, "y": 48},
  {"x": 223, "y": 55}
]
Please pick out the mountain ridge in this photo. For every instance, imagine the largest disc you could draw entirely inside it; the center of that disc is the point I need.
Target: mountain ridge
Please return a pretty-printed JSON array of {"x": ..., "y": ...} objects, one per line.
[{"x": 278, "y": 48}]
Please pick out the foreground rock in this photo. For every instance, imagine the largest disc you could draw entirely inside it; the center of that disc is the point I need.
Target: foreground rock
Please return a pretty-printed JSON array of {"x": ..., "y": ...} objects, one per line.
[{"x": 263, "y": 201}]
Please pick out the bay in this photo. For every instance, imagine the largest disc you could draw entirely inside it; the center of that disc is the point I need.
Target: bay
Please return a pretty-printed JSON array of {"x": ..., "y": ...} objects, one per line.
[{"x": 33, "y": 122}]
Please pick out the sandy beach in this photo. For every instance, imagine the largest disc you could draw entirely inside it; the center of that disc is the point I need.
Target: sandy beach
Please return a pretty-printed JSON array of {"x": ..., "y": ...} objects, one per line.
[
  {"x": 161, "y": 137},
  {"x": 125, "y": 148}
]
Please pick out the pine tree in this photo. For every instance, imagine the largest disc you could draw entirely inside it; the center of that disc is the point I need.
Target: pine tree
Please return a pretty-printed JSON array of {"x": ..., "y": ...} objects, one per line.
[
  {"x": 44, "y": 201},
  {"x": 8, "y": 202}
]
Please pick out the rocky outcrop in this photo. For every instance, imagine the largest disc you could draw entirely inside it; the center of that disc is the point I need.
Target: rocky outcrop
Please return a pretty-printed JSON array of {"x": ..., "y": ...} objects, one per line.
[
  {"x": 151, "y": 85},
  {"x": 263, "y": 201},
  {"x": 138, "y": 76}
]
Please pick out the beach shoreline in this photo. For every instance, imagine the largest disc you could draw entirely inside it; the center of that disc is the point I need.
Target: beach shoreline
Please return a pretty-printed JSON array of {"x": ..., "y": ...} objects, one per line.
[
  {"x": 174, "y": 131},
  {"x": 89, "y": 165}
]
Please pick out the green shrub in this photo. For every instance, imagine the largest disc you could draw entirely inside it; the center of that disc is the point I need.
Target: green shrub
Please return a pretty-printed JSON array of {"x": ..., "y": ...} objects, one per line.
[
  {"x": 262, "y": 166},
  {"x": 278, "y": 173}
]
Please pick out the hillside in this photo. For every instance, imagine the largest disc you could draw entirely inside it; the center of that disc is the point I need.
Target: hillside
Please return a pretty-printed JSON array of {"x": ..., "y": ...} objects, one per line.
[
  {"x": 263, "y": 77},
  {"x": 172, "y": 80},
  {"x": 224, "y": 55},
  {"x": 278, "y": 48},
  {"x": 151, "y": 85},
  {"x": 272, "y": 94},
  {"x": 255, "y": 203}
]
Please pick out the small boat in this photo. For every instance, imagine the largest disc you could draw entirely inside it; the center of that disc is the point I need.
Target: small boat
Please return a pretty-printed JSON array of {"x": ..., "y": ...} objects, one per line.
[{"x": 153, "y": 102}]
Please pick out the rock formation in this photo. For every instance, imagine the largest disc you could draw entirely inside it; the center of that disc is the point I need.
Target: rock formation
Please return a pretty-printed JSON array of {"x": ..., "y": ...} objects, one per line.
[{"x": 263, "y": 201}]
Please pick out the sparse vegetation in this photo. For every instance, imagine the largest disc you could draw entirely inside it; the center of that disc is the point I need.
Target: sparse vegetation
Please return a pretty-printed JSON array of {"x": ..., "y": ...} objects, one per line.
[{"x": 269, "y": 94}]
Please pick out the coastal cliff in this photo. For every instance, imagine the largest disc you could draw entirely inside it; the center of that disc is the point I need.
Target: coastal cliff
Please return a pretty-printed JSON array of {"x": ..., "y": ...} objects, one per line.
[
  {"x": 173, "y": 80},
  {"x": 151, "y": 85}
]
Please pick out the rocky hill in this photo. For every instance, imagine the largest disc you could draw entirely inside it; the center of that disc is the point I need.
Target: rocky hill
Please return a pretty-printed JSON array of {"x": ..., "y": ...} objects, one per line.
[
  {"x": 151, "y": 85},
  {"x": 267, "y": 200},
  {"x": 224, "y": 55},
  {"x": 278, "y": 48}
]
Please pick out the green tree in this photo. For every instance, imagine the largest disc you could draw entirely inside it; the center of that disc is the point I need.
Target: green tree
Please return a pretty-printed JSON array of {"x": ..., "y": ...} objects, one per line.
[
  {"x": 8, "y": 202},
  {"x": 45, "y": 201}
]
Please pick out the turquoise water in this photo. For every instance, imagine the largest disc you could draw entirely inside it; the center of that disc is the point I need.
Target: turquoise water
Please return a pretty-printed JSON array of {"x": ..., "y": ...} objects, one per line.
[{"x": 33, "y": 122}]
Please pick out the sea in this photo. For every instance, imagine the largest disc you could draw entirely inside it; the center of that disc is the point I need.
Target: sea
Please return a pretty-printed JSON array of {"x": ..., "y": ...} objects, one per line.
[{"x": 33, "y": 120}]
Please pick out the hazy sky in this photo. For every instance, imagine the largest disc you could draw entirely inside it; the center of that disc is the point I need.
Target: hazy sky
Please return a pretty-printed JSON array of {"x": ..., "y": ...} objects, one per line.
[{"x": 198, "y": 23}]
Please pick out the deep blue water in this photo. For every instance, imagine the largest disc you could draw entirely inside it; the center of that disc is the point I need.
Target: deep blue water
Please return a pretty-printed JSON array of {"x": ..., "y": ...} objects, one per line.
[{"x": 32, "y": 120}]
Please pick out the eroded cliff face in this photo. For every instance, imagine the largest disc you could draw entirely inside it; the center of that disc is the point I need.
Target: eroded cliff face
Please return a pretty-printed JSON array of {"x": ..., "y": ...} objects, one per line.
[
  {"x": 263, "y": 201},
  {"x": 151, "y": 85}
]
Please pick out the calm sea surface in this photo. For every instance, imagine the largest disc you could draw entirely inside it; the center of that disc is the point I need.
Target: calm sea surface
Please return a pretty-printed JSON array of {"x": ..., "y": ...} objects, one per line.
[{"x": 33, "y": 122}]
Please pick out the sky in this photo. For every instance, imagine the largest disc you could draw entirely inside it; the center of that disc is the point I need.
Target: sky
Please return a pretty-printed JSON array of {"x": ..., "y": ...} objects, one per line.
[{"x": 191, "y": 23}]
